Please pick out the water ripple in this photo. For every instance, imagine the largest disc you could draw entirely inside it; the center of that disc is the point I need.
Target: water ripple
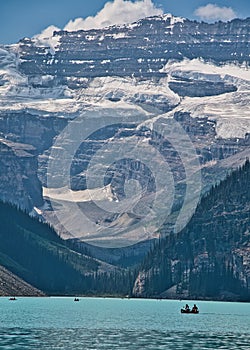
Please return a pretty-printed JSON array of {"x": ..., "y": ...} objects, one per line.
[{"x": 99, "y": 339}]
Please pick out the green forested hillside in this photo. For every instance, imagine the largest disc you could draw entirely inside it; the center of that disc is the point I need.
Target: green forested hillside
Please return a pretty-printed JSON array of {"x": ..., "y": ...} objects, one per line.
[
  {"x": 210, "y": 258},
  {"x": 33, "y": 251}
]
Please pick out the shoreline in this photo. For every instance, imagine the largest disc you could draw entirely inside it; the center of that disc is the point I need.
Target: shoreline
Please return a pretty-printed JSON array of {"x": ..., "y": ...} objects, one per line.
[{"x": 126, "y": 297}]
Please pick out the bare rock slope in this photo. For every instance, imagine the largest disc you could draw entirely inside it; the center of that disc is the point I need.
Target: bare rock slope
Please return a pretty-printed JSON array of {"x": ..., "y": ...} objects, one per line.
[{"x": 11, "y": 284}]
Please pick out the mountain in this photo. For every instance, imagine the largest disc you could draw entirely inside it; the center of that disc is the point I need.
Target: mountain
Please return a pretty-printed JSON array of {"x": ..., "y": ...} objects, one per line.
[
  {"x": 71, "y": 104},
  {"x": 210, "y": 257},
  {"x": 32, "y": 254}
]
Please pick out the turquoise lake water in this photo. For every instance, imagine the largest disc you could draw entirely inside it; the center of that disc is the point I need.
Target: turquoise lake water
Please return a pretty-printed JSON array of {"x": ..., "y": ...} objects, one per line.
[{"x": 103, "y": 323}]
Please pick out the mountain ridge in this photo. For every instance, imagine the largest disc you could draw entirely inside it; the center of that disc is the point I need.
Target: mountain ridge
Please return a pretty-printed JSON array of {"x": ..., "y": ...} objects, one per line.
[{"x": 153, "y": 71}]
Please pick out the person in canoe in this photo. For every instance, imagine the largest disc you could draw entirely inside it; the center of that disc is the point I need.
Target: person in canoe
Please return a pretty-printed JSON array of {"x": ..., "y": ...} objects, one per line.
[
  {"x": 185, "y": 310},
  {"x": 195, "y": 309}
]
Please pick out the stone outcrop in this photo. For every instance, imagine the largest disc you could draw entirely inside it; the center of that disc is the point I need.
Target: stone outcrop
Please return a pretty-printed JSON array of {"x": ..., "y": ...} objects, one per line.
[
  {"x": 12, "y": 285},
  {"x": 18, "y": 172}
]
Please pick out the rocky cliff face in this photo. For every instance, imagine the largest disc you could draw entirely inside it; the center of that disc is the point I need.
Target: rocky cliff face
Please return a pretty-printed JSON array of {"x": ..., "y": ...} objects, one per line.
[
  {"x": 18, "y": 172},
  {"x": 155, "y": 70},
  {"x": 12, "y": 285},
  {"x": 141, "y": 49}
]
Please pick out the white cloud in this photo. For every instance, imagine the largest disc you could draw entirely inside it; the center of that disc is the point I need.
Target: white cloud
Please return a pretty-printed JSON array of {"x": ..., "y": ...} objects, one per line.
[
  {"x": 115, "y": 12},
  {"x": 46, "y": 38},
  {"x": 212, "y": 12},
  {"x": 47, "y": 33}
]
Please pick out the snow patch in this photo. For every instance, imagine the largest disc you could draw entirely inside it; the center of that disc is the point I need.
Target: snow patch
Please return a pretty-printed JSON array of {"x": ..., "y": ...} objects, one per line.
[
  {"x": 207, "y": 68},
  {"x": 173, "y": 19},
  {"x": 120, "y": 36},
  {"x": 66, "y": 194}
]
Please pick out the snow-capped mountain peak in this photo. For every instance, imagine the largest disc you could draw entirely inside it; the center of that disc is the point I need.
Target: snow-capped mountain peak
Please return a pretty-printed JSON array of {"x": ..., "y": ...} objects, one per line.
[{"x": 156, "y": 69}]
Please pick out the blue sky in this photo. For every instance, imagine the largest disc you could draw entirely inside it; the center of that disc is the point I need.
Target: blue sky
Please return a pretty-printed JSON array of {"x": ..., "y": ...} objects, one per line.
[{"x": 25, "y": 18}]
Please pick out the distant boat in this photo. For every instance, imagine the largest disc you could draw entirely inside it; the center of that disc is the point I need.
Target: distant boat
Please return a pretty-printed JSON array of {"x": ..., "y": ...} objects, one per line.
[
  {"x": 12, "y": 298},
  {"x": 187, "y": 310},
  {"x": 183, "y": 311},
  {"x": 76, "y": 299}
]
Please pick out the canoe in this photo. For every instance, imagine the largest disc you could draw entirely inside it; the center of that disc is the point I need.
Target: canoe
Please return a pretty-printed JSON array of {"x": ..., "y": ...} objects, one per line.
[{"x": 183, "y": 311}]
